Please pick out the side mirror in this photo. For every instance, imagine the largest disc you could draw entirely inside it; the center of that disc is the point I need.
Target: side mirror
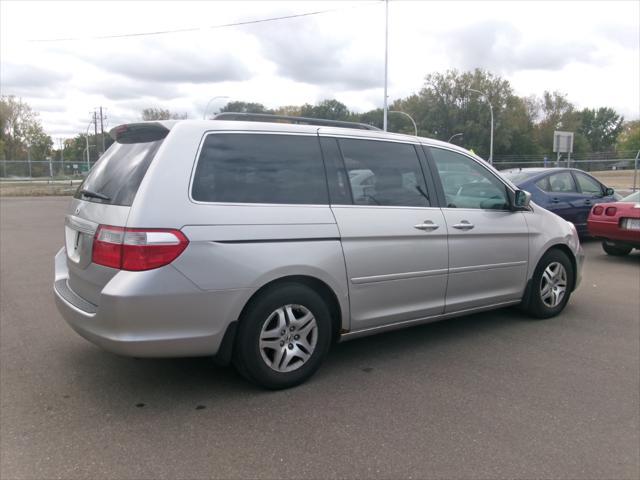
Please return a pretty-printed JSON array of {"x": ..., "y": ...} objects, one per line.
[
  {"x": 521, "y": 200},
  {"x": 608, "y": 192}
]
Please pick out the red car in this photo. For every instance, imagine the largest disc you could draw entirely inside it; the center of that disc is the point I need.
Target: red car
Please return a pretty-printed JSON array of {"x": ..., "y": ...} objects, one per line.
[{"x": 617, "y": 224}]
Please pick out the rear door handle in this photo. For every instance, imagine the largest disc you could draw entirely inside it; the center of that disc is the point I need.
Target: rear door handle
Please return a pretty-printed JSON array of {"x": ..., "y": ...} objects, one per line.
[
  {"x": 427, "y": 225},
  {"x": 464, "y": 225}
]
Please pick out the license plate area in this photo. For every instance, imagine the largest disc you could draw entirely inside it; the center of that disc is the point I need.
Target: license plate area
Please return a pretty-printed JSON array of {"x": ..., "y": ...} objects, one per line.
[
  {"x": 631, "y": 223},
  {"x": 78, "y": 235}
]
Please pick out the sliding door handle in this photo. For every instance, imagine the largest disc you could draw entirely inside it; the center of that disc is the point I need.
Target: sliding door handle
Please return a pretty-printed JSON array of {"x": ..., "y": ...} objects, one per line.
[
  {"x": 464, "y": 225},
  {"x": 427, "y": 225}
]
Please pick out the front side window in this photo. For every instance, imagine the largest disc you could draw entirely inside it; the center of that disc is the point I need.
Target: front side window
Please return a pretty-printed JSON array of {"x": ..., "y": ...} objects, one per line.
[
  {"x": 587, "y": 184},
  {"x": 255, "y": 168},
  {"x": 561, "y": 182},
  {"x": 467, "y": 184},
  {"x": 384, "y": 173}
]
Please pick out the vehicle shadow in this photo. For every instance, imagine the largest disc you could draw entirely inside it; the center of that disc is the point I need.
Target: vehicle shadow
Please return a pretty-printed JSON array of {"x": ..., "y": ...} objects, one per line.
[{"x": 111, "y": 382}]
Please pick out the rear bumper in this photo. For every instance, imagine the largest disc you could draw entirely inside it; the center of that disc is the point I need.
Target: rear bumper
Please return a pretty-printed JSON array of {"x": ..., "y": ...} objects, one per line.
[
  {"x": 157, "y": 313},
  {"x": 610, "y": 230}
]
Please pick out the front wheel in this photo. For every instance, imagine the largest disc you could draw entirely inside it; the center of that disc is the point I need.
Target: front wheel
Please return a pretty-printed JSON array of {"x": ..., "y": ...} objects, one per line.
[
  {"x": 283, "y": 336},
  {"x": 611, "y": 248},
  {"x": 551, "y": 285}
]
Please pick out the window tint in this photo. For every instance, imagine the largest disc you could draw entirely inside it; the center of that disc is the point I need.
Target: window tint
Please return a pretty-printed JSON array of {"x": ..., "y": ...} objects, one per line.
[
  {"x": 251, "y": 168},
  {"x": 119, "y": 172},
  {"x": 467, "y": 184},
  {"x": 588, "y": 184},
  {"x": 384, "y": 173},
  {"x": 561, "y": 182}
]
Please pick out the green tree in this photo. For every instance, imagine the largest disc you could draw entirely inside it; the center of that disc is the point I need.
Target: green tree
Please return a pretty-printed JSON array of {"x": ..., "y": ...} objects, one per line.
[
  {"x": 244, "y": 107},
  {"x": 21, "y": 134},
  {"x": 329, "y": 109},
  {"x": 601, "y": 128},
  {"x": 156, "y": 113},
  {"x": 446, "y": 105},
  {"x": 629, "y": 138}
]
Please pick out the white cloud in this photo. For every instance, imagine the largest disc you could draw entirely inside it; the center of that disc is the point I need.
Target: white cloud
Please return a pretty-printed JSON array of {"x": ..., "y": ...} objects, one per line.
[{"x": 588, "y": 50}]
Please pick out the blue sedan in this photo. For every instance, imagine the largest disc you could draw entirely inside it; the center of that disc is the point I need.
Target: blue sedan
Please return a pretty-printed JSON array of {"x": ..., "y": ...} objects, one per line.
[{"x": 567, "y": 192}]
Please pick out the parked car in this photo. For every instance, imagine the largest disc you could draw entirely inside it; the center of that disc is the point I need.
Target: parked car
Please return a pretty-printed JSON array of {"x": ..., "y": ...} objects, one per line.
[
  {"x": 617, "y": 224},
  {"x": 567, "y": 192},
  {"x": 246, "y": 241}
]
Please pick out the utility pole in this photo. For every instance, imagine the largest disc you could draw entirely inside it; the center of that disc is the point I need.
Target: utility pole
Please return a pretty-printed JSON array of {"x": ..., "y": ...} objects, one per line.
[
  {"x": 102, "y": 129},
  {"x": 95, "y": 128}
]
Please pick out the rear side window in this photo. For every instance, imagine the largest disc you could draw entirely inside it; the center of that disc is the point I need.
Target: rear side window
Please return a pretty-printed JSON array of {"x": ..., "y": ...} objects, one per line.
[
  {"x": 119, "y": 172},
  {"x": 561, "y": 183},
  {"x": 257, "y": 168},
  {"x": 384, "y": 173}
]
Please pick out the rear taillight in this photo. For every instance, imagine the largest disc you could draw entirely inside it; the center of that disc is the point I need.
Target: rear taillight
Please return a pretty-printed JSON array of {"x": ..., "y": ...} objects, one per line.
[
  {"x": 597, "y": 210},
  {"x": 610, "y": 211},
  {"x": 136, "y": 249}
]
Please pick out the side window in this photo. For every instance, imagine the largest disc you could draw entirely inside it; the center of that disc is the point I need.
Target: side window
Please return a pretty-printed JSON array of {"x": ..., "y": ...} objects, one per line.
[
  {"x": 587, "y": 184},
  {"x": 543, "y": 184},
  {"x": 339, "y": 191},
  {"x": 467, "y": 184},
  {"x": 561, "y": 182},
  {"x": 254, "y": 168},
  {"x": 384, "y": 173}
]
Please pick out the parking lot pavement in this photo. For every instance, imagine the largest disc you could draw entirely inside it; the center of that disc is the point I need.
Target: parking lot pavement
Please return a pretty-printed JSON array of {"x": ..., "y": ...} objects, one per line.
[{"x": 494, "y": 395}]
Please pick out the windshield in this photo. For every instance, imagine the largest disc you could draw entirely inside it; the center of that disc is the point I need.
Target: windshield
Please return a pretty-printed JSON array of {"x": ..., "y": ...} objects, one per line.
[
  {"x": 634, "y": 197},
  {"x": 517, "y": 176},
  {"x": 115, "y": 178}
]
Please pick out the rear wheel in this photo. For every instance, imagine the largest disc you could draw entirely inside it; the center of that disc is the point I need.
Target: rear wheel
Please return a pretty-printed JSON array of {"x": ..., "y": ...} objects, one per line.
[
  {"x": 616, "y": 250},
  {"x": 551, "y": 285},
  {"x": 283, "y": 336}
]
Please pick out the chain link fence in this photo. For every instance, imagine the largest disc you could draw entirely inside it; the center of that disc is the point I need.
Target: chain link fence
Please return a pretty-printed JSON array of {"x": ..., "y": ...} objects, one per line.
[{"x": 42, "y": 169}]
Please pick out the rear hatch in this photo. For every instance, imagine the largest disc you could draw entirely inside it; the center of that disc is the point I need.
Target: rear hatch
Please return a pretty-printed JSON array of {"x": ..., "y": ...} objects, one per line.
[{"x": 105, "y": 198}]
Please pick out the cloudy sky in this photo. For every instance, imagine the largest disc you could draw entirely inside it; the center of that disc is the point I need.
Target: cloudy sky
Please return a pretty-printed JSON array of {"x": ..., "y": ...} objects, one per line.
[{"x": 54, "y": 54}]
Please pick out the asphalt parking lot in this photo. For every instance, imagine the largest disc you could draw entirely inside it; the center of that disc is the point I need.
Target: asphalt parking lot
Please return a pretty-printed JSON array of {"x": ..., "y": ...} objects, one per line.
[{"x": 493, "y": 395}]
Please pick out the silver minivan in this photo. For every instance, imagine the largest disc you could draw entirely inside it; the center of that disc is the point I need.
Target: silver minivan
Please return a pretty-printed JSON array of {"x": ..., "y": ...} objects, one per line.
[{"x": 262, "y": 242}]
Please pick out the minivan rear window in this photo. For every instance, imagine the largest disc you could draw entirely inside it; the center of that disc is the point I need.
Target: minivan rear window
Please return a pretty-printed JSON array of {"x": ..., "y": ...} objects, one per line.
[
  {"x": 260, "y": 168},
  {"x": 115, "y": 178}
]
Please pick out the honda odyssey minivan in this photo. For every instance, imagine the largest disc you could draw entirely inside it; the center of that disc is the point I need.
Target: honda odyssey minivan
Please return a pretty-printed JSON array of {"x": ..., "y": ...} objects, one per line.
[{"x": 261, "y": 242}]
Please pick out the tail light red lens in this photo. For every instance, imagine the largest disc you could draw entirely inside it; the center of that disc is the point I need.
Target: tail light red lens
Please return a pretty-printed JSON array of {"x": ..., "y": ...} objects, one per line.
[
  {"x": 597, "y": 210},
  {"x": 610, "y": 211},
  {"x": 136, "y": 249}
]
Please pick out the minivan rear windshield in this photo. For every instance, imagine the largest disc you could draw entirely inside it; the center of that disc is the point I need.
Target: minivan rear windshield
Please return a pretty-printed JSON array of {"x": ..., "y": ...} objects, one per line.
[{"x": 115, "y": 178}]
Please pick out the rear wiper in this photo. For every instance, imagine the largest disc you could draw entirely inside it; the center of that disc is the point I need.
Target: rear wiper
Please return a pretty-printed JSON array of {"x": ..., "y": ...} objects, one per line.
[{"x": 92, "y": 194}]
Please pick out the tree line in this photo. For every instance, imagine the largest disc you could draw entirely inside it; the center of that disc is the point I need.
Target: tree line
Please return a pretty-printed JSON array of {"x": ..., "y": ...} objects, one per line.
[{"x": 446, "y": 106}]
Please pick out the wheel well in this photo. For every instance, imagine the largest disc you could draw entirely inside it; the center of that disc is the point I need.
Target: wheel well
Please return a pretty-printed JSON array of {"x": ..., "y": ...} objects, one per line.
[
  {"x": 320, "y": 287},
  {"x": 572, "y": 259}
]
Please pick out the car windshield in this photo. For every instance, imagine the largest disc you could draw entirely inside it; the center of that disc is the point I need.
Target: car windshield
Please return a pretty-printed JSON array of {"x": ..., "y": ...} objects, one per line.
[
  {"x": 634, "y": 197},
  {"x": 517, "y": 176}
]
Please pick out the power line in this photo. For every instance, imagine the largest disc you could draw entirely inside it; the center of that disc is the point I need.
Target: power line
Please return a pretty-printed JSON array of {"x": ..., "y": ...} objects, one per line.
[{"x": 193, "y": 29}]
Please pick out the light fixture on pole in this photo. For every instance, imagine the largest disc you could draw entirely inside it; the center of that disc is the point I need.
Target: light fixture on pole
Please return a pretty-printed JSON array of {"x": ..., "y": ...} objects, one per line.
[
  {"x": 454, "y": 136},
  {"x": 491, "y": 111},
  {"x": 204, "y": 114},
  {"x": 415, "y": 128}
]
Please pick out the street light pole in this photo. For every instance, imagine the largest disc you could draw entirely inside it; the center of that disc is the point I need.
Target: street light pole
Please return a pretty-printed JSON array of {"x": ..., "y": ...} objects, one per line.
[
  {"x": 386, "y": 62},
  {"x": 491, "y": 111},
  {"x": 204, "y": 114},
  {"x": 87, "y": 149},
  {"x": 415, "y": 128},
  {"x": 454, "y": 136}
]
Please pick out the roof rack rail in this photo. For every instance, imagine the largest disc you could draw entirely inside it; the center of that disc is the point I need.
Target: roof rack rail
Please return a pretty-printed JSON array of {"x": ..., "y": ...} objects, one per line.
[{"x": 267, "y": 117}]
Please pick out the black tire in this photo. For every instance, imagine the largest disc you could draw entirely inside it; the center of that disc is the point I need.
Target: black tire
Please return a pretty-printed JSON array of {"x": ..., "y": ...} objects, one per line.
[
  {"x": 611, "y": 248},
  {"x": 247, "y": 356},
  {"x": 535, "y": 305}
]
